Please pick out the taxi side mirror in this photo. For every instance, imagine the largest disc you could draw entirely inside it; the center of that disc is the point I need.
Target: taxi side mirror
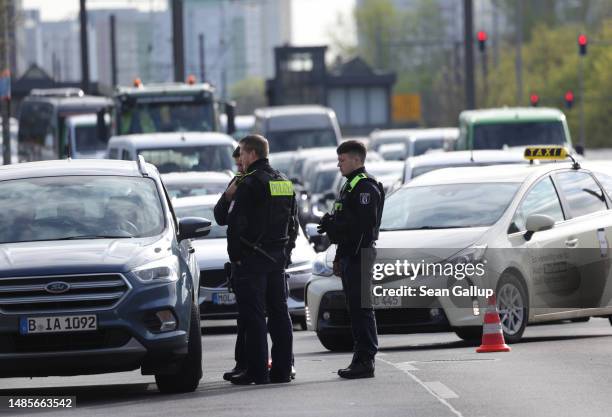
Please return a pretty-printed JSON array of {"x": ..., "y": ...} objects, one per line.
[{"x": 537, "y": 223}]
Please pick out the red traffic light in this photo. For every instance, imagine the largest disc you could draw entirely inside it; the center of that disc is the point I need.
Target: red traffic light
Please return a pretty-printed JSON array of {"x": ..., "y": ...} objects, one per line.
[
  {"x": 534, "y": 99},
  {"x": 569, "y": 99},
  {"x": 482, "y": 39},
  {"x": 582, "y": 44}
]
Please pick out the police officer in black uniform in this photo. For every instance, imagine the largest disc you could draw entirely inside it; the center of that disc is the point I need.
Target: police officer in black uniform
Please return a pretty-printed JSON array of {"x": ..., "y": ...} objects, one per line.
[
  {"x": 220, "y": 211},
  {"x": 353, "y": 226},
  {"x": 261, "y": 234}
]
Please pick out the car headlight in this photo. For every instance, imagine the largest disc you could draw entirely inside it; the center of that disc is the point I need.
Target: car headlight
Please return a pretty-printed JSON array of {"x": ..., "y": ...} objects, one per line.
[
  {"x": 469, "y": 255},
  {"x": 316, "y": 210},
  {"x": 161, "y": 270},
  {"x": 321, "y": 266}
]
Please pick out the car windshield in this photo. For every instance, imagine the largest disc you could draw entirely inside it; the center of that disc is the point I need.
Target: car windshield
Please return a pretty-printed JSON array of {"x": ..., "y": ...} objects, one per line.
[
  {"x": 79, "y": 207},
  {"x": 186, "y": 116},
  {"x": 324, "y": 181},
  {"x": 423, "y": 145},
  {"x": 188, "y": 189},
  {"x": 291, "y": 140},
  {"x": 447, "y": 206},
  {"x": 206, "y": 212},
  {"x": 387, "y": 140},
  {"x": 190, "y": 158},
  {"x": 87, "y": 140},
  {"x": 496, "y": 136}
]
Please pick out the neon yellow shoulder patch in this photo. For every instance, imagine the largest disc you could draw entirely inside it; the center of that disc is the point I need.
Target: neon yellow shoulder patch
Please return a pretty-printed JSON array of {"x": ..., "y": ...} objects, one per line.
[{"x": 281, "y": 188}]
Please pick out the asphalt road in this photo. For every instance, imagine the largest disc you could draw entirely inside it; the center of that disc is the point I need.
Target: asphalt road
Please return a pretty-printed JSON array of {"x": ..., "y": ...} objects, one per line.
[{"x": 559, "y": 370}]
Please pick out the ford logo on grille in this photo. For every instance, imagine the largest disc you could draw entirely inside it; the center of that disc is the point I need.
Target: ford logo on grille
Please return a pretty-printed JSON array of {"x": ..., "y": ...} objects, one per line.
[{"x": 57, "y": 287}]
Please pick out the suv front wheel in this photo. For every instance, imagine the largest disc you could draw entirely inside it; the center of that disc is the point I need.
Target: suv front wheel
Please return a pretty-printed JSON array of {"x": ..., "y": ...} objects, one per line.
[{"x": 189, "y": 373}]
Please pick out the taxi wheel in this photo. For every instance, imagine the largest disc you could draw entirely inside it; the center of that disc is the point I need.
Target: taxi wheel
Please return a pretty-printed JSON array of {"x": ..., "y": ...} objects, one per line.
[
  {"x": 189, "y": 372},
  {"x": 512, "y": 305},
  {"x": 336, "y": 342}
]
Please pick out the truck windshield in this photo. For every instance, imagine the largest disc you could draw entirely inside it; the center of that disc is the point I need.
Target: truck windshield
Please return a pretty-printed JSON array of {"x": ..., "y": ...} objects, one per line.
[
  {"x": 496, "y": 136},
  {"x": 151, "y": 117},
  {"x": 292, "y": 140}
]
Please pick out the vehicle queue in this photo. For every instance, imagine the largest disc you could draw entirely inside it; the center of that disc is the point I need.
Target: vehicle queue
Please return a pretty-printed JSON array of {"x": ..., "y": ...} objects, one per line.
[{"x": 501, "y": 213}]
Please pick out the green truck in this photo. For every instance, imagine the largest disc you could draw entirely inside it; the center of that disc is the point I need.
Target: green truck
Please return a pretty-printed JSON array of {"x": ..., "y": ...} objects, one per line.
[{"x": 508, "y": 127}]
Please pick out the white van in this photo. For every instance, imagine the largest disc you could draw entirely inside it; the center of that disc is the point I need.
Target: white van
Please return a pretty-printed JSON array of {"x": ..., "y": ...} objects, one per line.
[
  {"x": 289, "y": 128},
  {"x": 83, "y": 135},
  {"x": 177, "y": 151}
]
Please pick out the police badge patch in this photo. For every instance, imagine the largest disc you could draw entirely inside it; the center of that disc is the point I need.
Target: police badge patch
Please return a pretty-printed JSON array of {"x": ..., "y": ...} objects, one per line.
[{"x": 364, "y": 198}]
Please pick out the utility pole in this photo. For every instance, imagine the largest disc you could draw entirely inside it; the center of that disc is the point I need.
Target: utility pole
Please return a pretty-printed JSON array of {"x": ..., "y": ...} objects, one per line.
[
  {"x": 177, "y": 40},
  {"x": 519, "y": 54},
  {"x": 5, "y": 75},
  {"x": 113, "y": 50},
  {"x": 468, "y": 28},
  {"x": 202, "y": 61},
  {"x": 84, "y": 48}
]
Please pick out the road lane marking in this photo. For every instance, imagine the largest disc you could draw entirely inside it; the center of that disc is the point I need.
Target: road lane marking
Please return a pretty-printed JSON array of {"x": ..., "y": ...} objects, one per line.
[
  {"x": 442, "y": 390},
  {"x": 406, "y": 366},
  {"x": 428, "y": 389}
]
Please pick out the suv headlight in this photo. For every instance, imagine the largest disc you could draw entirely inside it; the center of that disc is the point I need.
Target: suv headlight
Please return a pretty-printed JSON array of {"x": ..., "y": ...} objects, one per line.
[
  {"x": 321, "y": 266},
  {"x": 161, "y": 270}
]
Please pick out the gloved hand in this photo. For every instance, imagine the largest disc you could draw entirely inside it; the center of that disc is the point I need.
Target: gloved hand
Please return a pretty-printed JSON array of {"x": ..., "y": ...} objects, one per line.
[{"x": 324, "y": 224}]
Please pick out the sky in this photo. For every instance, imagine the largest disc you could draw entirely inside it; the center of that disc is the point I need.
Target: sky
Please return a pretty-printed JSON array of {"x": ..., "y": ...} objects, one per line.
[{"x": 312, "y": 20}]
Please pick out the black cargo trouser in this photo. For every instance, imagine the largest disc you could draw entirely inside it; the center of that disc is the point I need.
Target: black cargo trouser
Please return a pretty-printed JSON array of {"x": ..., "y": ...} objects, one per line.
[
  {"x": 260, "y": 293},
  {"x": 363, "y": 321}
]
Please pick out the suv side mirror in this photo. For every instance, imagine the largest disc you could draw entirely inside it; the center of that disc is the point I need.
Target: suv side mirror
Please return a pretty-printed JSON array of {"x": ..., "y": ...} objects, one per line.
[
  {"x": 537, "y": 223},
  {"x": 193, "y": 227}
]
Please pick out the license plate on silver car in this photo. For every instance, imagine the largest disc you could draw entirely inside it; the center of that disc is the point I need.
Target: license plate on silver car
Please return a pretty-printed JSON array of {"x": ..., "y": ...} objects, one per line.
[
  {"x": 224, "y": 298},
  {"x": 58, "y": 324}
]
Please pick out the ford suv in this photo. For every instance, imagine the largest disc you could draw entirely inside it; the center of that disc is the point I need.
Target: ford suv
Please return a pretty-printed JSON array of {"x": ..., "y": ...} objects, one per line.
[{"x": 97, "y": 274}]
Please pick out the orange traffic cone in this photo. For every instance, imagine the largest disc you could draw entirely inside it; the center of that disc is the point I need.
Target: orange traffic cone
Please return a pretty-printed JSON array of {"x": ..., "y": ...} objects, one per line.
[{"x": 492, "y": 334}]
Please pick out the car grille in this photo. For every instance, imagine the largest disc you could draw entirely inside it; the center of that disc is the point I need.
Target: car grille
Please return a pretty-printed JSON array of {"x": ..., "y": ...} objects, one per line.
[
  {"x": 100, "y": 339},
  {"x": 213, "y": 278},
  {"x": 86, "y": 292}
]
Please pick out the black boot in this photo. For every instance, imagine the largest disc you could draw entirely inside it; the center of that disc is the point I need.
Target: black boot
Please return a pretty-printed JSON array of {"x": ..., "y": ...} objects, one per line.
[
  {"x": 244, "y": 378},
  {"x": 229, "y": 374},
  {"x": 359, "y": 369}
]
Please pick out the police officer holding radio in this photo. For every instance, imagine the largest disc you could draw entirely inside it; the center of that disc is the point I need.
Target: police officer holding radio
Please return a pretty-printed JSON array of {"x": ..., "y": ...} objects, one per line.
[
  {"x": 261, "y": 233},
  {"x": 220, "y": 211},
  {"x": 353, "y": 226}
]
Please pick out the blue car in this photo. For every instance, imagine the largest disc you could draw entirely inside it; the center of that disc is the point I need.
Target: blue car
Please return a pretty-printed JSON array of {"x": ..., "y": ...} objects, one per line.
[{"x": 97, "y": 274}]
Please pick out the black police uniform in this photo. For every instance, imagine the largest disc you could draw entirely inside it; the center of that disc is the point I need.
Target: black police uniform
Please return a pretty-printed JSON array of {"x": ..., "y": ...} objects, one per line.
[
  {"x": 261, "y": 234},
  {"x": 240, "y": 353},
  {"x": 354, "y": 225}
]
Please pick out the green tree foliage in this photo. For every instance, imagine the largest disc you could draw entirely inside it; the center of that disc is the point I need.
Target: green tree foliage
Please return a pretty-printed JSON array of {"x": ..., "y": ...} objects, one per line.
[{"x": 551, "y": 67}]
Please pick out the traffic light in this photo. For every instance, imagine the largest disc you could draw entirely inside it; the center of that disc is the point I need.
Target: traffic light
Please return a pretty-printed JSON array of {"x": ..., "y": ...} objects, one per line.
[
  {"x": 583, "y": 41},
  {"x": 569, "y": 99},
  {"x": 482, "y": 40},
  {"x": 534, "y": 99}
]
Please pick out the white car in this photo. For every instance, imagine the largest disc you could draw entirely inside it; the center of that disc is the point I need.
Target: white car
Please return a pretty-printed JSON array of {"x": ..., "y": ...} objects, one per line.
[
  {"x": 216, "y": 302},
  {"x": 189, "y": 184},
  {"x": 542, "y": 230},
  {"x": 177, "y": 151}
]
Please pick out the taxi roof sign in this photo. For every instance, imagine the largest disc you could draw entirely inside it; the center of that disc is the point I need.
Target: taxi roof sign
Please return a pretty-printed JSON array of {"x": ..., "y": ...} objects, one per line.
[{"x": 550, "y": 153}]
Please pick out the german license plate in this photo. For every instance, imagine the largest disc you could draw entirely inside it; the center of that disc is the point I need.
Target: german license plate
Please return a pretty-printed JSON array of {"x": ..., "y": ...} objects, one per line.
[
  {"x": 386, "y": 301},
  {"x": 224, "y": 298},
  {"x": 58, "y": 324}
]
